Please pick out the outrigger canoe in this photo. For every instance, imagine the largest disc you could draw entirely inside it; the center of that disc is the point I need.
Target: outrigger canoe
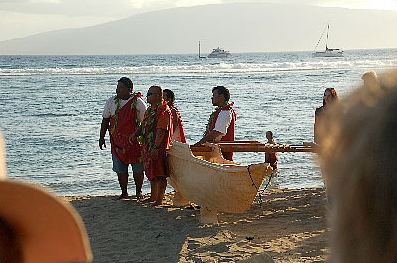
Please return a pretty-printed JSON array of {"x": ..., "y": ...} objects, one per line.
[{"x": 215, "y": 184}]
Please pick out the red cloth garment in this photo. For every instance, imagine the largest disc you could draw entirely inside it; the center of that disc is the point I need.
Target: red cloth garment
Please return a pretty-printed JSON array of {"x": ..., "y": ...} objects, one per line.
[
  {"x": 159, "y": 118},
  {"x": 122, "y": 125},
  {"x": 180, "y": 124},
  {"x": 272, "y": 159},
  {"x": 229, "y": 136}
]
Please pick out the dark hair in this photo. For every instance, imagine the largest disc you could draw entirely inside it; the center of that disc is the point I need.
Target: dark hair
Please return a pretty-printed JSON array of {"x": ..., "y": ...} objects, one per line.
[
  {"x": 170, "y": 95},
  {"x": 334, "y": 95},
  {"x": 159, "y": 89},
  {"x": 222, "y": 90},
  {"x": 127, "y": 82}
]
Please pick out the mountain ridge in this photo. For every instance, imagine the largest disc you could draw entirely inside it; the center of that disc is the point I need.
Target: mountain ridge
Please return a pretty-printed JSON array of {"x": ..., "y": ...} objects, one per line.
[{"x": 239, "y": 27}]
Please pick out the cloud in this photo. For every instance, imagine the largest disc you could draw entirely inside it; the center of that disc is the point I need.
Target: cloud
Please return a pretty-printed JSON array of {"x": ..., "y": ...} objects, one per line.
[{"x": 125, "y": 8}]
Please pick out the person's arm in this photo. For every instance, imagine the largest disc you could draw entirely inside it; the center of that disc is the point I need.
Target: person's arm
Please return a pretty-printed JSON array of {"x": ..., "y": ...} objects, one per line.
[
  {"x": 141, "y": 108},
  {"x": 161, "y": 137},
  {"x": 317, "y": 120},
  {"x": 222, "y": 124},
  {"x": 102, "y": 133},
  {"x": 135, "y": 135},
  {"x": 160, "y": 142},
  {"x": 210, "y": 137},
  {"x": 174, "y": 119}
]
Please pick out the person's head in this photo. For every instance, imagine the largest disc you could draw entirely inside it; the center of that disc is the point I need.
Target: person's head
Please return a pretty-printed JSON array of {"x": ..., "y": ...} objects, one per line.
[
  {"x": 370, "y": 79},
  {"x": 154, "y": 95},
  {"x": 220, "y": 95},
  {"x": 124, "y": 88},
  {"x": 37, "y": 226},
  {"x": 269, "y": 135},
  {"x": 169, "y": 96},
  {"x": 330, "y": 96},
  {"x": 359, "y": 160}
]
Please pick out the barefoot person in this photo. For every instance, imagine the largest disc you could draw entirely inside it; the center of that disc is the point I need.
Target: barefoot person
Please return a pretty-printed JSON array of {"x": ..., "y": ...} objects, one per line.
[
  {"x": 221, "y": 124},
  {"x": 155, "y": 133},
  {"x": 178, "y": 133},
  {"x": 271, "y": 158},
  {"x": 122, "y": 115}
]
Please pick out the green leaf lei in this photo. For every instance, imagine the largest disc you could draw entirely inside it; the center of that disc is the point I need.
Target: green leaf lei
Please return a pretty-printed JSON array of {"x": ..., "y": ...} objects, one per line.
[
  {"x": 117, "y": 101},
  {"x": 148, "y": 127}
]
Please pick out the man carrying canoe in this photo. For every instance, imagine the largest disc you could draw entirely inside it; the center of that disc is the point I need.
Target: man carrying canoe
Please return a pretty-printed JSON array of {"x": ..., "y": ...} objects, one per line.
[{"x": 221, "y": 123}]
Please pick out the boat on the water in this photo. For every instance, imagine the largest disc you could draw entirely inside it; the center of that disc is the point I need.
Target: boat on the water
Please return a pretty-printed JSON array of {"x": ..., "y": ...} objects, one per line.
[
  {"x": 219, "y": 53},
  {"x": 328, "y": 52},
  {"x": 213, "y": 183}
]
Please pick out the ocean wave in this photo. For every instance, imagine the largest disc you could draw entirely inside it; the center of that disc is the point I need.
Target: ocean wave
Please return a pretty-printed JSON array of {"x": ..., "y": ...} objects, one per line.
[{"x": 223, "y": 67}]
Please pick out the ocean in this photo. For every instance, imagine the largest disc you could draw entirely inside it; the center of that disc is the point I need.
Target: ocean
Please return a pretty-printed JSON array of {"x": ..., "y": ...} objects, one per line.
[{"x": 51, "y": 107}]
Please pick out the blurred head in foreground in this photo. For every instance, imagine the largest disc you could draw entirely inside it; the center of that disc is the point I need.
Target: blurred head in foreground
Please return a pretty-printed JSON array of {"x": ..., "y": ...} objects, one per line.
[
  {"x": 359, "y": 155},
  {"x": 36, "y": 226},
  {"x": 370, "y": 79}
]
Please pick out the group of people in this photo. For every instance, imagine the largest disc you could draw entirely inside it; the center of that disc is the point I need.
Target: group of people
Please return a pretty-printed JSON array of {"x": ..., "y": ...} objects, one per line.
[
  {"x": 140, "y": 135},
  {"x": 358, "y": 154}
]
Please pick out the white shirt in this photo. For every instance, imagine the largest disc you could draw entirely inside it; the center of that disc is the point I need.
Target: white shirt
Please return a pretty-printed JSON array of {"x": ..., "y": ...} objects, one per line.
[
  {"x": 110, "y": 107},
  {"x": 222, "y": 123}
]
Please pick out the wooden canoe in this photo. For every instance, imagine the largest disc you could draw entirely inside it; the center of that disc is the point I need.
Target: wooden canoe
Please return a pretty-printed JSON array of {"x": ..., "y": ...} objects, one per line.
[{"x": 213, "y": 183}]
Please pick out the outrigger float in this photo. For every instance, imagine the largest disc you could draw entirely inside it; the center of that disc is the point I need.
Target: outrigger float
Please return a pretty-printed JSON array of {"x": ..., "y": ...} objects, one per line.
[{"x": 200, "y": 174}]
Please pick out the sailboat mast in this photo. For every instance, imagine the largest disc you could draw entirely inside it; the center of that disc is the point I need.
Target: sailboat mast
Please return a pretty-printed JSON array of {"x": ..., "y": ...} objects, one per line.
[
  {"x": 199, "y": 50},
  {"x": 326, "y": 43}
]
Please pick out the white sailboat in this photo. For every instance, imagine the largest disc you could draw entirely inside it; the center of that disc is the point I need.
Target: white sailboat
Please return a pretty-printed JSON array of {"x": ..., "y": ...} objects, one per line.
[{"x": 328, "y": 52}]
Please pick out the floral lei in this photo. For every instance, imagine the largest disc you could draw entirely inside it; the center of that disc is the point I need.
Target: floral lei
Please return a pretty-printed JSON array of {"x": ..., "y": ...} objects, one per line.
[
  {"x": 117, "y": 101},
  {"x": 149, "y": 125}
]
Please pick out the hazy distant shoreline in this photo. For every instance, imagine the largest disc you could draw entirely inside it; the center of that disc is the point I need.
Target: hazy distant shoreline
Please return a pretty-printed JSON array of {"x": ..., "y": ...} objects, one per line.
[{"x": 161, "y": 32}]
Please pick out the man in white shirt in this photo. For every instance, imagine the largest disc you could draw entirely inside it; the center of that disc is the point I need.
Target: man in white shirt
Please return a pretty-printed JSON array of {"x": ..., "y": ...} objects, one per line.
[
  {"x": 122, "y": 115},
  {"x": 221, "y": 124}
]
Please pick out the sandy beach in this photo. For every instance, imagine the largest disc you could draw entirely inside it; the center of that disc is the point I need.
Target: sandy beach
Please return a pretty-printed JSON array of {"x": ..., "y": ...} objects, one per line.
[{"x": 290, "y": 226}]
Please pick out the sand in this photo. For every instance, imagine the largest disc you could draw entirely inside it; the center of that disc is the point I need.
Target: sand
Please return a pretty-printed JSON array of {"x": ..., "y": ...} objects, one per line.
[{"x": 290, "y": 226}]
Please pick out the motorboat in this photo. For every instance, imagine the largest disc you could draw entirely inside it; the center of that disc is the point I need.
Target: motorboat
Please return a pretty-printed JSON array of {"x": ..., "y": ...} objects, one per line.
[{"x": 219, "y": 53}]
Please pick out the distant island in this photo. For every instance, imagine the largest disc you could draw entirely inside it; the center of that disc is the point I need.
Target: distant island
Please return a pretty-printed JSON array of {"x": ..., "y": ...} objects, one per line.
[{"x": 239, "y": 27}]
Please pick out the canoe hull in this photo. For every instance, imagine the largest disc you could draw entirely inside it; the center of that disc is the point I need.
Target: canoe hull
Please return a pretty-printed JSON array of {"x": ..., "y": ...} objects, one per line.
[{"x": 213, "y": 182}]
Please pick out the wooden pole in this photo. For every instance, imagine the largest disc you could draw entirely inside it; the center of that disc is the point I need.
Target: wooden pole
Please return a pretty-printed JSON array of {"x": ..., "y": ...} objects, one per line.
[{"x": 254, "y": 146}]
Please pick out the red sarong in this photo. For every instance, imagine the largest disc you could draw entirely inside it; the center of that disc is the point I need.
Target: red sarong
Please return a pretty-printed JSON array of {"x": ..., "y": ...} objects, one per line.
[
  {"x": 159, "y": 118},
  {"x": 122, "y": 125}
]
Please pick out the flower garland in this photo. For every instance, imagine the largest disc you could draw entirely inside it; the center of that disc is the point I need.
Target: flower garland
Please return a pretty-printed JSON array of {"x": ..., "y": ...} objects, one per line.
[
  {"x": 117, "y": 101},
  {"x": 149, "y": 125}
]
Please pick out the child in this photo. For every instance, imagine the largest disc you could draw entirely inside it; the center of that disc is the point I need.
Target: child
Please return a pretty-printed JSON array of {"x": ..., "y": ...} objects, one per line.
[{"x": 271, "y": 158}]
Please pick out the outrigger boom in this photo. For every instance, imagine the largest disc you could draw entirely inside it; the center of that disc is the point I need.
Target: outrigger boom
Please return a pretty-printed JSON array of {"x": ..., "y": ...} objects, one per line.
[{"x": 256, "y": 146}]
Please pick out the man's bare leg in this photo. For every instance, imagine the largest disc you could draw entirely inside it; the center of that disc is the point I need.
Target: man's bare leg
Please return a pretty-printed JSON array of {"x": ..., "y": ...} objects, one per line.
[
  {"x": 153, "y": 191},
  {"x": 162, "y": 186},
  {"x": 138, "y": 179},
  {"x": 123, "y": 182}
]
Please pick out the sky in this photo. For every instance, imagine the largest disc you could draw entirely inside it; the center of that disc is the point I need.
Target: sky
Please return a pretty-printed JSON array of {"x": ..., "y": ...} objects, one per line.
[{"x": 20, "y": 18}]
